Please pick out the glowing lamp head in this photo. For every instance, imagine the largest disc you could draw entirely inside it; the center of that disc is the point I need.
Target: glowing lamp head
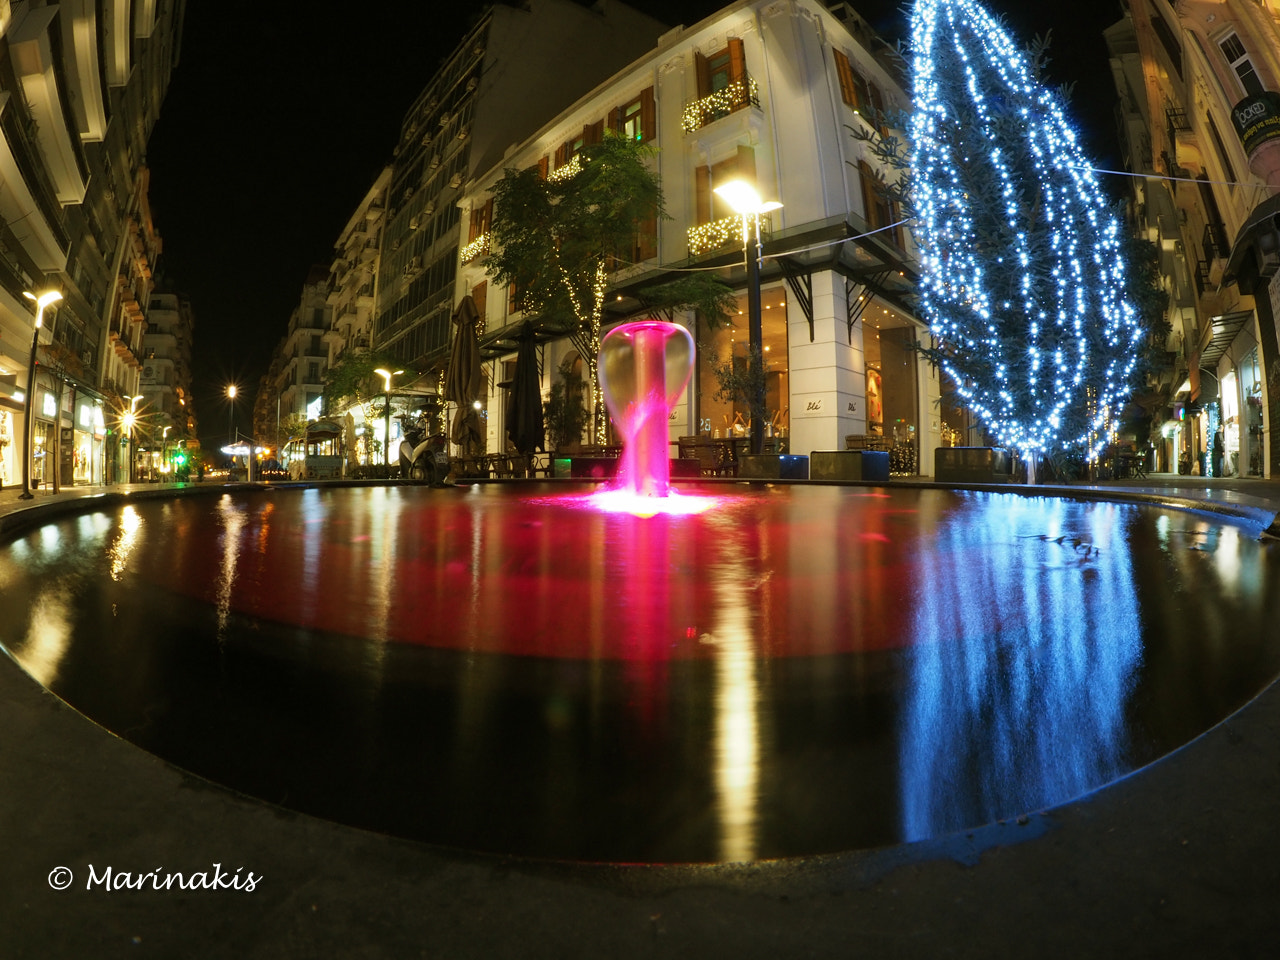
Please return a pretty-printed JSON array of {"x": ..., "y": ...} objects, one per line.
[
  {"x": 42, "y": 301},
  {"x": 744, "y": 198}
]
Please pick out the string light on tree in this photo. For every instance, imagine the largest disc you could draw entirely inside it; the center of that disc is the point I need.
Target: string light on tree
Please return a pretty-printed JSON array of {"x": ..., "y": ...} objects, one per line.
[{"x": 1022, "y": 278}]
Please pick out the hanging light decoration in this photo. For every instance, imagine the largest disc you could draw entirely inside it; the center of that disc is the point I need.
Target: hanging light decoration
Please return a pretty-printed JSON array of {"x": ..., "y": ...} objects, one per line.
[{"x": 1022, "y": 277}]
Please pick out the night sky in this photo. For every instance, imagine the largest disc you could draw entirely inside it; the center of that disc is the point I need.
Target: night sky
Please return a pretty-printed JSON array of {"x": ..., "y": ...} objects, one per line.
[{"x": 275, "y": 126}]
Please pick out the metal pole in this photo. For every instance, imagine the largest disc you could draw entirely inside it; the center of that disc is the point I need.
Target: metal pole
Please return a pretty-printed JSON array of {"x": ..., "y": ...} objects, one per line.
[
  {"x": 27, "y": 441},
  {"x": 755, "y": 336}
]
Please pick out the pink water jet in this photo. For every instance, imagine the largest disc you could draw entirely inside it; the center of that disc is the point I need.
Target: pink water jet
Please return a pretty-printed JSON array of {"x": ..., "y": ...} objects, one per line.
[{"x": 644, "y": 369}]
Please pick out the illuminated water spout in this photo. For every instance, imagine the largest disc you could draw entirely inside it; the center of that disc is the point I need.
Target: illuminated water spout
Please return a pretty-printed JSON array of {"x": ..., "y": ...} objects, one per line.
[{"x": 644, "y": 368}]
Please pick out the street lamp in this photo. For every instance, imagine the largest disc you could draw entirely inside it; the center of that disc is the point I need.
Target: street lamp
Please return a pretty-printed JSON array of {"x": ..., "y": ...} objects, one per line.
[
  {"x": 42, "y": 301},
  {"x": 745, "y": 200},
  {"x": 128, "y": 421},
  {"x": 164, "y": 451},
  {"x": 231, "y": 412},
  {"x": 386, "y": 412}
]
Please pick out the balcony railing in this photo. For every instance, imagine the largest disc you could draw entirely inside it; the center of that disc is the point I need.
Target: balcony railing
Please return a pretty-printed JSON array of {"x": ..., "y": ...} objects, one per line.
[
  {"x": 719, "y": 234},
  {"x": 739, "y": 94},
  {"x": 476, "y": 248},
  {"x": 1215, "y": 243}
]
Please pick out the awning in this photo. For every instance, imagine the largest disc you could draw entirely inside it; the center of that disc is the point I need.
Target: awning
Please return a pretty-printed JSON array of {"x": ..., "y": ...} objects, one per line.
[{"x": 1224, "y": 331}]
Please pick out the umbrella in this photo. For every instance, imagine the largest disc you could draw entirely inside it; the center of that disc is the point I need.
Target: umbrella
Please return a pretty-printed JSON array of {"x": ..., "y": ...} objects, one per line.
[
  {"x": 462, "y": 384},
  {"x": 524, "y": 403}
]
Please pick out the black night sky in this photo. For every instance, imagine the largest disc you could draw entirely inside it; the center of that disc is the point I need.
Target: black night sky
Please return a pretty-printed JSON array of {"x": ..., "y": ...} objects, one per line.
[{"x": 280, "y": 115}]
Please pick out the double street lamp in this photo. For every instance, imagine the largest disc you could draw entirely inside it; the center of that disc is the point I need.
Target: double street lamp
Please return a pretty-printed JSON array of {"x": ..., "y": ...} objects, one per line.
[
  {"x": 386, "y": 411},
  {"x": 41, "y": 301},
  {"x": 745, "y": 201}
]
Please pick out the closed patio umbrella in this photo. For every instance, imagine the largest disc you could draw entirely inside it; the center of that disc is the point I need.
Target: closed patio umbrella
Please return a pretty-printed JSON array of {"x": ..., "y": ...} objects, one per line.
[
  {"x": 524, "y": 404},
  {"x": 462, "y": 383}
]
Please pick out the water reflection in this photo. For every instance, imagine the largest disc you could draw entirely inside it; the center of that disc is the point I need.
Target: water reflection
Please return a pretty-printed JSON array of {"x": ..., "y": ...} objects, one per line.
[
  {"x": 1028, "y": 634},
  {"x": 799, "y": 670}
]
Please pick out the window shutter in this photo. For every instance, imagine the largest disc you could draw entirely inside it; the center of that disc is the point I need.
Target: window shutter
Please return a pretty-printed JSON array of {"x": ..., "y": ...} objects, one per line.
[
  {"x": 542, "y": 167},
  {"x": 738, "y": 71},
  {"x": 615, "y": 120},
  {"x": 648, "y": 116},
  {"x": 593, "y": 133},
  {"x": 479, "y": 294},
  {"x": 703, "y": 181},
  {"x": 845, "y": 72},
  {"x": 562, "y": 155},
  {"x": 704, "y": 75}
]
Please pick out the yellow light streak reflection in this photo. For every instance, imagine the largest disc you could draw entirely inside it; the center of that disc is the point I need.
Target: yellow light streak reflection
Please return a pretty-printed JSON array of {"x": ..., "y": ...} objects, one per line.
[
  {"x": 125, "y": 540},
  {"x": 737, "y": 697}
]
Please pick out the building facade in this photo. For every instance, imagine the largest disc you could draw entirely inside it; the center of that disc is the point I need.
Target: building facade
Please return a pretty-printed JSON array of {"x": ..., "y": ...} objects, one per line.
[
  {"x": 1200, "y": 122},
  {"x": 166, "y": 381},
  {"x": 781, "y": 93},
  {"x": 517, "y": 67},
  {"x": 81, "y": 85}
]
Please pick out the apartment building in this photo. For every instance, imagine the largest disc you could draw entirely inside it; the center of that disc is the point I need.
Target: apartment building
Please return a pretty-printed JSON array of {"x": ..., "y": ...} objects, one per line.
[
  {"x": 518, "y": 66},
  {"x": 1200, "y": 121},
  {"x": 165, "y": 381},
  {"x": 772, "y": 92},
  {"x": 81, "y": 85}
]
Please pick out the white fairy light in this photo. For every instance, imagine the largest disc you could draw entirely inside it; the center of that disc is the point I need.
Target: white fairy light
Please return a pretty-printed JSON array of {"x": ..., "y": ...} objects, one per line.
[{"x": 1022, "y": 278}]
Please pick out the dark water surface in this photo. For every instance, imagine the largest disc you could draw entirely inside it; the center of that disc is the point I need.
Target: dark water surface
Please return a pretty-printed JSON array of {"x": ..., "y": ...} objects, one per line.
[{"x": 800, "y": 669}]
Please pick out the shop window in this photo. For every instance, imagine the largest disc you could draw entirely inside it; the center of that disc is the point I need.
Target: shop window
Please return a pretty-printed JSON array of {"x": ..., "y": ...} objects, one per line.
[
  {"x": 720, "y": 413},
  {"x": 1238, "y": 57}
]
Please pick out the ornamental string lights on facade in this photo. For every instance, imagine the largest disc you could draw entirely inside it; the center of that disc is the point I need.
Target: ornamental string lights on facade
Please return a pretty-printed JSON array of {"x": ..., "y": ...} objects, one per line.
[{"x": 1022, "y": 280}]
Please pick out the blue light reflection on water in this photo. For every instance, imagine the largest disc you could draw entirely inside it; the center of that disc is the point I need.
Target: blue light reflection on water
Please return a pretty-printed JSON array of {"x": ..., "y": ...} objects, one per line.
[{"x": 1029, "y": 635}]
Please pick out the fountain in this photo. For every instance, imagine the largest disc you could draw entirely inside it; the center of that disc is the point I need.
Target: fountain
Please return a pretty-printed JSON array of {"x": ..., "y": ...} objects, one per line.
[{"x": 805, "y": 669}]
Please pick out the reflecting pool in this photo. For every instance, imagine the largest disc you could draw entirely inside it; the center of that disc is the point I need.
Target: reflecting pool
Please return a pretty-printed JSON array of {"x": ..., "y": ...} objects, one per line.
[{"x": 799, "y": 669}]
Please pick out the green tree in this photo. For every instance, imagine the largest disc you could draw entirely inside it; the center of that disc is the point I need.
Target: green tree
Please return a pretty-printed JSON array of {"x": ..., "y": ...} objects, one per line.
[
  {"x": 353, "y": 378},
  {"x": 555, "y": 239}
]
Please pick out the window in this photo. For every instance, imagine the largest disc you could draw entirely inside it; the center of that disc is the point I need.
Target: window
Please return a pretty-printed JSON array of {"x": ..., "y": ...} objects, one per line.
[
  {"x": 1238, "y": 57},
  {"x": 721, "y": 70},
  {"x": 1221, "y": 148},
  {"x": 880, "y": 210},
  {"x": 710, "y": 206},
  {"x": 481, "y": 218},
  {"x": 635, "y": 120},
  {"x": 853, "y": 87}
]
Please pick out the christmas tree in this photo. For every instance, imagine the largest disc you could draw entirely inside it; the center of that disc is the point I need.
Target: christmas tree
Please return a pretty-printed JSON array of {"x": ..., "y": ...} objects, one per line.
[{"x": 1022, "y": 279}]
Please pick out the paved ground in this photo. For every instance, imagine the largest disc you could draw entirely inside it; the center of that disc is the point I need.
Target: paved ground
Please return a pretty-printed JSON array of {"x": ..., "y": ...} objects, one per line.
[{"x": 1179, "y": 860}]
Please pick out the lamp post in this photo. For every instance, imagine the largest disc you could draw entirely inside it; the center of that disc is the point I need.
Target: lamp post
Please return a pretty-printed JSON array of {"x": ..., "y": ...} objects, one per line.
[
  {"x": 128, "y": 422},
  {"x": 386, "y": 412},
  {"x": 231, "y": 435},
  {"x": 42, "y": 301},
  {"x": 164, "y": 452},
  {"x": 745, "y": 200}
]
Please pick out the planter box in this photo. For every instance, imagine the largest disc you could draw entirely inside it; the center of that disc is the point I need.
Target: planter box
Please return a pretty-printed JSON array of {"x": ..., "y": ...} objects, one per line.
[
  {"x": 593, "y": 468},
  {"x": 849, "y": 465},
  {"x": 972, "y": 465},
  {"x": 773, "y": 466}
]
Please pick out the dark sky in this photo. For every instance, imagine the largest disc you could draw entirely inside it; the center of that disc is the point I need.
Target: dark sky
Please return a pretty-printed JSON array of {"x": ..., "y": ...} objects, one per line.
[{"x": 275, "y": 126}]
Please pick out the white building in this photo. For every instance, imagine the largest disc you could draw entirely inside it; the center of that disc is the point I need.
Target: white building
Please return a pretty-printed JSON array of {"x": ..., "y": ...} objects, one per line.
[{"x": 768, "y": 90}]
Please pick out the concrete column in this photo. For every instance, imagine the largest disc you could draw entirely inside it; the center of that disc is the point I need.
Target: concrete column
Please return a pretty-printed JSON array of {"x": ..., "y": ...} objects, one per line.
[{"x": 827, "y": 374}]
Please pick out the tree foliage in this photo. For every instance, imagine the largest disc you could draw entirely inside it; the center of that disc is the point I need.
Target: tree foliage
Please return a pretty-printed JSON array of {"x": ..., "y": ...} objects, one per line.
[
  {"x": 353, "y": 378},
  {"x": 556, "y": 238},
  {"x": 1023, "y": 276}
]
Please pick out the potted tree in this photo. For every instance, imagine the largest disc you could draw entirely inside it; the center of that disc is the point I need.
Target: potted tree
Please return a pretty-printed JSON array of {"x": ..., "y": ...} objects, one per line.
[{"x": 565, "y": 413}]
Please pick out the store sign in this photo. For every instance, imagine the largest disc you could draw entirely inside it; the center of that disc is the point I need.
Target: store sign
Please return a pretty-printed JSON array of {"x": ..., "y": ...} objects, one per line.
[
  {"x": 810, "y": 407},
  {"x": 1257, "y": 120}
]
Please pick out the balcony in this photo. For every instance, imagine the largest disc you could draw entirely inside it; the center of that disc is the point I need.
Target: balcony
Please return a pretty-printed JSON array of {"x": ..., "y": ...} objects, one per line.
[
  {"x": 698, "y": 113},
  {"x": 721, "y": 234},
  {"x": 476, "y": 248}
]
